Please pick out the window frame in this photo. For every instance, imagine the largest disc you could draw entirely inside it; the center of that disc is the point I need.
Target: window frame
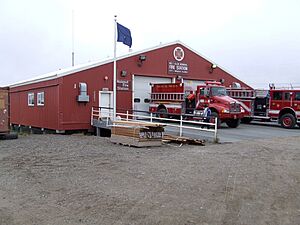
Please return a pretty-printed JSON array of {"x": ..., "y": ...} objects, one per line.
[
  {"x": 40, "y": 98},
  {"x": 287, "y": 94},
  {"x": 297, "y": 93},
  {"x": 30, "y": 99},
  {"x": 277, "y": 94}
]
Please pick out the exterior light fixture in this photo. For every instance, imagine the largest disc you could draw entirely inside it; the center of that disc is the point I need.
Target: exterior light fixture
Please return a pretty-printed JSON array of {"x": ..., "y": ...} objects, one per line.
[
  {"x": 178, "y": 77},
  {"x": 212, "y": 67},
  {"x": 142, "y": 58},
  {"x": 123, "y": 73}
]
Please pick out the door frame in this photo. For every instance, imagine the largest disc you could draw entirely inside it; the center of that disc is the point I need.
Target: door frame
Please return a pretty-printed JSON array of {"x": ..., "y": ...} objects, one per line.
[
  {"x": 132, "y": 91},
  {"x": 111, "y": 102}
]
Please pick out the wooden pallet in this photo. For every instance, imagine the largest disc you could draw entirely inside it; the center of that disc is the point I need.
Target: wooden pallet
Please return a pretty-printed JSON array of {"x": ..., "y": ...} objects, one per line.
[
  {"x": 132, "y": 141},
  {"x": 182, "y": 140}
]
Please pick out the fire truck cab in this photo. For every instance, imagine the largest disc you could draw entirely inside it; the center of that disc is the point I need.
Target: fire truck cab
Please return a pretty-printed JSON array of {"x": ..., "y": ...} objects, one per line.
[
  {"x": 276, "y": 104},
  {"x": 225, "y": 108},
  {"x": 174, "y": 99}
]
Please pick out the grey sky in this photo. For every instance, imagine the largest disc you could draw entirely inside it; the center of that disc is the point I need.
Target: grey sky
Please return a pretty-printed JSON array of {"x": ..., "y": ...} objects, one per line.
[{"x": 258, "y": 41}]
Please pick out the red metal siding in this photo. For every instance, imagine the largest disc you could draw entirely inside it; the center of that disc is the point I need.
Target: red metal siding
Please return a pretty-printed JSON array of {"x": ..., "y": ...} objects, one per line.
[
  {"x": 15, "y": 108},
  {"x": 36, "y": 116},
  {"x": 76, "y": 115}
]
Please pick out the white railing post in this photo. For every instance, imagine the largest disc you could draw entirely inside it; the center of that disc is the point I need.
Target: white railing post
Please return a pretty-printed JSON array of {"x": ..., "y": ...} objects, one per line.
[
  {"x": 151, "y": 117},
  {"x": 92, "y": 116},
  {"x": 108, "y": 117},
  {"x": 180, "y": 127},
  {"x": 99, "y": 113},
  {"x": 127, "y": 117},
  {"x": 216, "y": 130}
]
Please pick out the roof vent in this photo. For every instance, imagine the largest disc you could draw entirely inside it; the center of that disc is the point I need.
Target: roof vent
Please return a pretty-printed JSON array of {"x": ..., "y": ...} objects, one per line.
[{"x": 83, "y": 97}]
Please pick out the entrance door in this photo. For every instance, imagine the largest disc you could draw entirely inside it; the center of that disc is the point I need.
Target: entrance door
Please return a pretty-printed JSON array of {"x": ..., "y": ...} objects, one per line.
[
  {"x": 106, "y": 100},
  {"x": 142, "y": 89}
]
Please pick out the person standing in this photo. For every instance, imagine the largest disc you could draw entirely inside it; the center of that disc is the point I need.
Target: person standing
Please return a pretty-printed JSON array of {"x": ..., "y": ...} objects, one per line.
[{"x": 206, "y": 115}]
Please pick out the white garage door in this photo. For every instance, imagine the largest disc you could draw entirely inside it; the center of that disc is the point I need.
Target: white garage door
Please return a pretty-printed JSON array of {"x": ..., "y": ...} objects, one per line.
[
  {"x": 192, "y": 83},
  {"x": 142, "y": 89}
]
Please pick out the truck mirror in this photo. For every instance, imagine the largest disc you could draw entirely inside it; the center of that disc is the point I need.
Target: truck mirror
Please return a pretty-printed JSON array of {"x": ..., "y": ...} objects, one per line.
[
  {"x": 201, "y": 91},
  {"x": 206, "y": 93}
]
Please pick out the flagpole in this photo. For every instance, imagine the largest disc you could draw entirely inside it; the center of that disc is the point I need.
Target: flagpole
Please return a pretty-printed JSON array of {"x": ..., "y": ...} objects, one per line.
[
  {"x": 73, "y": 25},
  {"x": 115, "y": 71}
]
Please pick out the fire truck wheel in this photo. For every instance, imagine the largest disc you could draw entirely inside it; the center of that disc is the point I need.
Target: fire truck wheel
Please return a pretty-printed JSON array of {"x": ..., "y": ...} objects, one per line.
[
  {"x": 213, "y": 116},
  {"x": 162, "y": 113},
  {"x": 287, "y": 121},
  {"x": 233, "y": 123}
]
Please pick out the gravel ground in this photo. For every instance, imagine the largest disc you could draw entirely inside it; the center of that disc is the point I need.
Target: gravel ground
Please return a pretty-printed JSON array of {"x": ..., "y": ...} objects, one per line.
[{"x": 76, "y": 179}]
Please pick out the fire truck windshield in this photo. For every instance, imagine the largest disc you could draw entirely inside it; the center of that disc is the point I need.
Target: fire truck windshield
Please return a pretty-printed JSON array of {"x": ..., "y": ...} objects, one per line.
[{"x": 218, "y": 91}]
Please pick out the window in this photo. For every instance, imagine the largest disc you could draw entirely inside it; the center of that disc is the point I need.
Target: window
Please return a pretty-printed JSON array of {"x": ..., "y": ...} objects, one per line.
[
  {"x": 218, "y": 91},
  {"x": 287, "y": 96},
  {"x": 30, "y": 99},
  {"x": 40, "y": 98},
  {"x": 137, "y": 100},
  {"x": 277, "y": 95},
  {"x": 201, "y": 91},
  {"x": 297, "y": 96}
]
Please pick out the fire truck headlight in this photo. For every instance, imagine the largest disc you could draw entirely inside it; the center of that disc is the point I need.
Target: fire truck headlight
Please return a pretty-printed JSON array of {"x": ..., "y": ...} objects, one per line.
[{"x": 225, "y": 111}]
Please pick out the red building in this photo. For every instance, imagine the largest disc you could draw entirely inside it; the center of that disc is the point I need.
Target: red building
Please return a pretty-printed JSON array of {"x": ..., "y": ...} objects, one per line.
[{"x": 62, "y": 100}]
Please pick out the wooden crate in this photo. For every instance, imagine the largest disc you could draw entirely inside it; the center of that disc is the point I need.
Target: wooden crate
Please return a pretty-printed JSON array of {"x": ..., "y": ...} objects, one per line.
[{"x": 4, "y": 111}]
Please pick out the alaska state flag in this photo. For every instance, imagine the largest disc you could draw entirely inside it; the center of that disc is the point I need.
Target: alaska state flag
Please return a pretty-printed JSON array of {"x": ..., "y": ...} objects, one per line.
[{"x": 124, "y": 35}]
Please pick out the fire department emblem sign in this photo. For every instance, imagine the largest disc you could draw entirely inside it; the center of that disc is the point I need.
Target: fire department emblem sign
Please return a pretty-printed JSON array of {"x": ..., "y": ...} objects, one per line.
[{"x": 178, "y": 54}]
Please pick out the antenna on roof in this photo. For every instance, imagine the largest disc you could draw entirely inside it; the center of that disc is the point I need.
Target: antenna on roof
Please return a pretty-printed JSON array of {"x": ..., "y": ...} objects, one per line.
[{"x": 73, "y": 54}]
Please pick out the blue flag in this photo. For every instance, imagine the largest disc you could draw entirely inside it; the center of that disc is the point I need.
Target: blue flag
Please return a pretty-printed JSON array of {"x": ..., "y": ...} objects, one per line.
[{"x": 124, "y": 35}]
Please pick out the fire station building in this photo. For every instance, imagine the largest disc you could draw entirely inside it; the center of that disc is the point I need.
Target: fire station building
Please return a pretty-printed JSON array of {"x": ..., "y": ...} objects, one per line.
[{"x": 62, "y": 100}]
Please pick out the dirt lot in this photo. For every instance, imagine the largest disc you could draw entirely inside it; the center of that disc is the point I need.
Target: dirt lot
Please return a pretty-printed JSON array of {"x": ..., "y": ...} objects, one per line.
[{"x": 58, "y": 179}]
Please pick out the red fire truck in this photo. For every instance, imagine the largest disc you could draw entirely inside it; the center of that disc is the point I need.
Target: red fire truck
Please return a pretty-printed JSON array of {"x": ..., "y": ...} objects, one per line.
[
  {"x": 171, "y": 99},
  {"x": 276, "y": 104}
]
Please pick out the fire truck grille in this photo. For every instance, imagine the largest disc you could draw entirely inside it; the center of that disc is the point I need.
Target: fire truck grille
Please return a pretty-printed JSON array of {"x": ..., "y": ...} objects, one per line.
[{"x": 235, "y": 107}]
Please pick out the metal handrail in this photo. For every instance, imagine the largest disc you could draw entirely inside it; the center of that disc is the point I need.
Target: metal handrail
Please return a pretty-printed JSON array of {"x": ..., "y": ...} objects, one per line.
[{"x": 133, "y": 117}]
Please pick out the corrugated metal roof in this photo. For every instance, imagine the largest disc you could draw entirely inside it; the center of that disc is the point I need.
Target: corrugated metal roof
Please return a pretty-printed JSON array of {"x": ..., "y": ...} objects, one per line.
[{"x": 81, "y": 67}]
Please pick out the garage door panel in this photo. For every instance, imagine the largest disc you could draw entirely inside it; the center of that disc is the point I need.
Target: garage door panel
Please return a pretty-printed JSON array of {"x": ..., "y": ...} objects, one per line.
[{"x": 142, "y": 89}]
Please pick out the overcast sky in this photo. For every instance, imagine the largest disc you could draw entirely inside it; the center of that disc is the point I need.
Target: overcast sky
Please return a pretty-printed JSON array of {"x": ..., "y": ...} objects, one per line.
[{"x": 258, "y": 41}]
